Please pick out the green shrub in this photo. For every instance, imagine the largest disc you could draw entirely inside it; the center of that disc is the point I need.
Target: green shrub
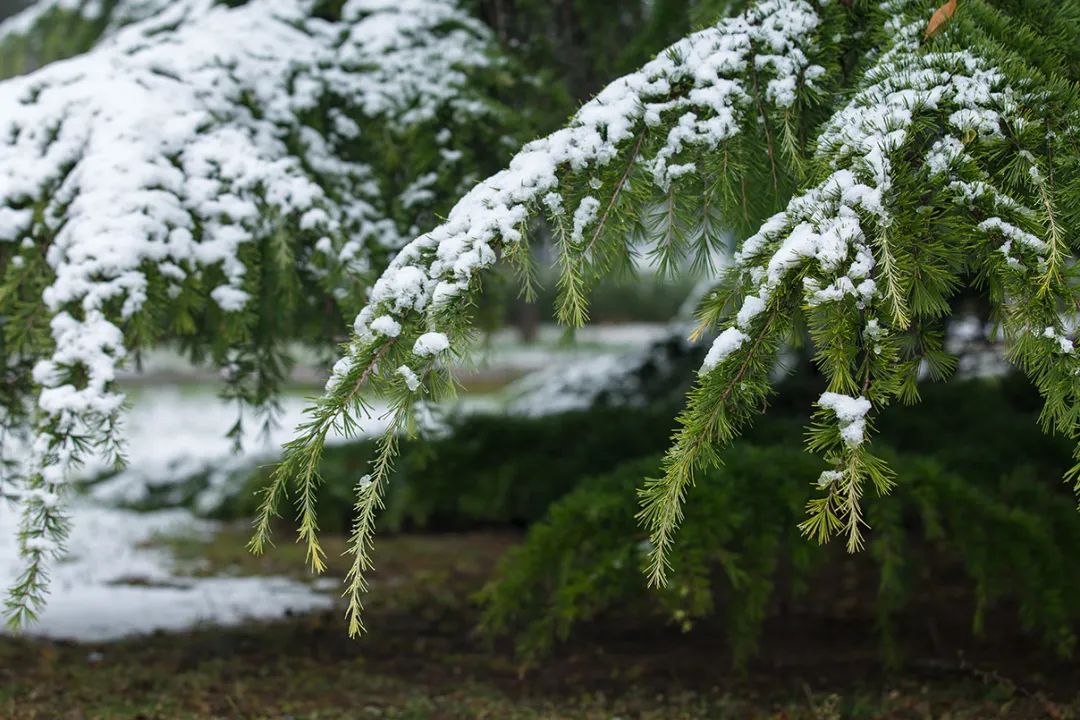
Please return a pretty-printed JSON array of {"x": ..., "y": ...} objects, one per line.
[
  {"x": 507, "y": 470},
  {"x": 979, "y": 493},
  {"x": 1011, "y": 530},
  {"x": 492, "y": 469},
  {"x": 487, "y": 469},
  {"x": 585, "y": 558}
]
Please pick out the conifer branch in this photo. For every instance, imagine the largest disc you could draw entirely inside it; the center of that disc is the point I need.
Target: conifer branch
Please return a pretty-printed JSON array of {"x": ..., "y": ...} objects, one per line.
[
  {"x": 368, "y": 502},
  {"x": 916, "y": 181},
  {"x": 894, "y": 290},
  {"x": 705, "y": 423}
]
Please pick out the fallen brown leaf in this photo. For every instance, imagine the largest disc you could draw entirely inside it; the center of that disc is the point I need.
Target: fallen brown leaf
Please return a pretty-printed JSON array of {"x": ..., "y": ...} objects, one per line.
[{"x": 939, "y": 18}]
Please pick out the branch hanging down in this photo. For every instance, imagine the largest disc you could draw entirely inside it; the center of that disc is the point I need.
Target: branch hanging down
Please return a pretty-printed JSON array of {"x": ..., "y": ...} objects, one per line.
[{"x": 218, "y": 175}]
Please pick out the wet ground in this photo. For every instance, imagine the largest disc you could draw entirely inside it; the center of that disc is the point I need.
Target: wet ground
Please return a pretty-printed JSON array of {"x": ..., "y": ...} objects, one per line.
[{"x": 422, "y": 658}]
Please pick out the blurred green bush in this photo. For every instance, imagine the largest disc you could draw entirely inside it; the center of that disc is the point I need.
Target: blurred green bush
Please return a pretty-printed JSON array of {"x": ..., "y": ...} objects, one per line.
[
  {"x": 483, "y": 470},
  {"x": 980, "y": 494}
]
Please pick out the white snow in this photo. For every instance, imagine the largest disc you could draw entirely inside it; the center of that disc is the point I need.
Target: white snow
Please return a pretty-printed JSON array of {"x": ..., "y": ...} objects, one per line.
[
  {"x": 584, "y": 216},
  {"x": 828, "y": 477},
  {"x": 386, "y": 325},
  {"x": 431, "y": 343},
  {"x": 111, "y": 585},
  {"x": 1012, "y": 234},
  {"x": 751, "y": 308},
  {"x": 144, "y": 152},
  {"x": 826, "y": 229},
  {"x": 614, "y": 374},
  {"x": 943, "y": 154},
  {"x": 174, "y": 434},
  {"x": 436, "y": 268},
  {"x": 571, "y": 385},
  {"x": 1064, "y": 344},
  {"x": 724, "y": 345},
  {"x": 147, "y": 166},
  {"x": 411, "y": 380},
  {"x": 850, "y": 415}
]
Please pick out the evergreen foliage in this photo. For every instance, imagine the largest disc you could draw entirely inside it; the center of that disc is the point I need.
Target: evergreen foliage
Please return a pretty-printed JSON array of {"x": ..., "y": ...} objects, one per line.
[
  {"x": 966, "y": 510},
  {"x": 1004, "y": 524},
  {"x": 228, "y": 177},
  {"x": 586, "y": 557},
  {"x": 874, "y": 169}
]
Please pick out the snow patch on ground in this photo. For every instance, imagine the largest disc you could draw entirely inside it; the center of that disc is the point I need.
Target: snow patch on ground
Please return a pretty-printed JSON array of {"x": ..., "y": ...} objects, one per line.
[
  {"x": 174, "y": 435},
  {"x": 617, "y": 375},
  {"x": 111, "y": 585}
]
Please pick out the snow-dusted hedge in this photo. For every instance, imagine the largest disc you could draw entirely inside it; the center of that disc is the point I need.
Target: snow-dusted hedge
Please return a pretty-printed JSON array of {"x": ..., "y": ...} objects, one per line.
[{"x": 228, "y": 176}]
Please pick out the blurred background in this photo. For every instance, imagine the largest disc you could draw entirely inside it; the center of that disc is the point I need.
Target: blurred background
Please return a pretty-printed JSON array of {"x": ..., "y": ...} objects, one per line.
[{"x": 508, "y": 562}]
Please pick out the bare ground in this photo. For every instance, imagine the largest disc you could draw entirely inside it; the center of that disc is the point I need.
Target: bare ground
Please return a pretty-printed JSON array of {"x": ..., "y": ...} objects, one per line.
[{"x": 422, "y": 659}]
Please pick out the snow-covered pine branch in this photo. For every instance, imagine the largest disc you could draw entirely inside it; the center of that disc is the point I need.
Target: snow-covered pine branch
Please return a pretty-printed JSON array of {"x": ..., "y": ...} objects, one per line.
[
  {"x": 230, "y": 182},
  {"x": 954, "y": 159},
  {"x": 50, "y": 30}
]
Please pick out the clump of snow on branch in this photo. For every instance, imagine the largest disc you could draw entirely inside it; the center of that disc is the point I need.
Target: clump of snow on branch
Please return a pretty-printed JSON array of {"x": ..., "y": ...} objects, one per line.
[
  {"x": 692, "y": 99},
  {"x": 1064, "y": 344},
  {"x": 833, "y": 244},
  {"x": 725, "y": 344},
  {"x": 429, "y": 344},
  {"x": 850, "y": 415}
]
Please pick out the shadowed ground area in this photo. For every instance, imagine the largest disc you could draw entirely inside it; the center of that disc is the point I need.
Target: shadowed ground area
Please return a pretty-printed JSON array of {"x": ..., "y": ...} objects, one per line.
[{"x": 422, "y": 659}]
